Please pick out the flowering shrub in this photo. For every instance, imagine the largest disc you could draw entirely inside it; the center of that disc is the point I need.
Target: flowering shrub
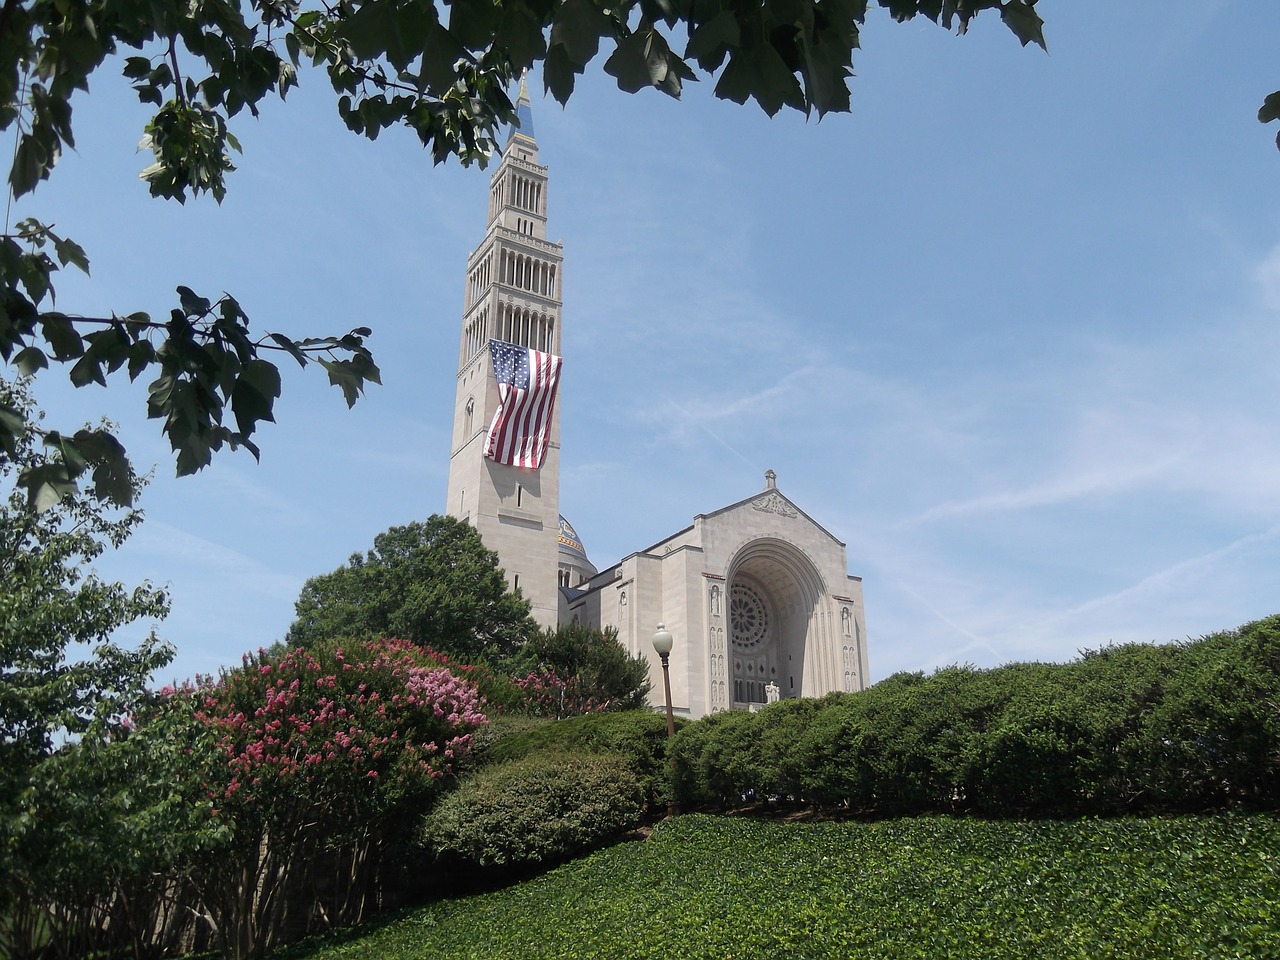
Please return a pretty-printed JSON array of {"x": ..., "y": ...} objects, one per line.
[
  {"x": 315, "y": 756},
  {"x": 366, "y": 725},
  {"x": 547, "y": 694}
]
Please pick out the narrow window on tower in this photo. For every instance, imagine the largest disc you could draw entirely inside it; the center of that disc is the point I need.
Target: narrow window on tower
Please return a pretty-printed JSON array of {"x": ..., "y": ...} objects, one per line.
[
  {"x": 515, "y": 587},
  {"x": 519, "y": 494}
]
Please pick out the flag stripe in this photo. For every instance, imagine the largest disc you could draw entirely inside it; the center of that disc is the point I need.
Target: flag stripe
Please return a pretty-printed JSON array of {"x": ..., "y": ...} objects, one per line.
[{"x": 527, "y": 383}]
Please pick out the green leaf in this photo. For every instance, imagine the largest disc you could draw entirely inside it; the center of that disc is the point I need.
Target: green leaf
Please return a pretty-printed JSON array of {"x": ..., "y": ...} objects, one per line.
[
  {"x": 709, "y": 43},
  {"x": 1021, "y": 17},
  {"x": 520, "y": 34},
  {"x": 135, "y": 68},
  {"x": 61, "y": 335},
  {"x": 30, "y": 360},
  {"x": 473, "y": 22},
  {"x": 760, "y": 72},
  {"x": 289, "y": 347},
  {"x": 255, "y": 392},
  {"x": 346, "y": 375},
  {"x": 192, "y": 304},
  {"x": 1270, "y": 109},
  {"x": 112, "y": 474},
  {"x": 578, "y": 27},
  {"x": 141, "y": 355},
  {"x": 12, "y": 425},
  {"x": 70, "y": 252},
  {"x": 46, "y": 485},
  {"x": 558, "y": 73}
]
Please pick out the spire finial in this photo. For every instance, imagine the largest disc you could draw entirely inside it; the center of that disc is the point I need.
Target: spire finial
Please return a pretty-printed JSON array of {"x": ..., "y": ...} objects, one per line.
[
  {"x": 524, "y": 114},
  {"x": 770, "y": 480}
]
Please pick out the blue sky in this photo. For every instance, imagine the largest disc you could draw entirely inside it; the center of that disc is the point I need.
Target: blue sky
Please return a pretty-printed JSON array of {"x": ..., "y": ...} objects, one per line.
[{"x": 1008, "y": 330}]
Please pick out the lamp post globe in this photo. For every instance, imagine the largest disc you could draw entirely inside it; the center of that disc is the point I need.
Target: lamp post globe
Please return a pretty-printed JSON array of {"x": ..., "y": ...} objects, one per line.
[{"x": 662, "y": 644}]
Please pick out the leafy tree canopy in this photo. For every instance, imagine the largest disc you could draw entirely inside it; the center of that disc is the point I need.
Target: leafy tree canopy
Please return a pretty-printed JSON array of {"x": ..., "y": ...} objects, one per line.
[
  {"x": 59, "y": 671},
  {"x": 61, "y": 676},
  {"x": 434, "y": 583}
]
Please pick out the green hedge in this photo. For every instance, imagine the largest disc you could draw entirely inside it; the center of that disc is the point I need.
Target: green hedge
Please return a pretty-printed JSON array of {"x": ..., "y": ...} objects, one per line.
[
  {"x": 1140, "y": 727},
  {"x": 638, "y": 735},
  {"x": 538, "y": 810}
]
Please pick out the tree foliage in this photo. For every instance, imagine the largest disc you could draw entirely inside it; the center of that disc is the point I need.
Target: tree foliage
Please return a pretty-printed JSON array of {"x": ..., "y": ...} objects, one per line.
[
  {"x": 66, "y": 691},
  {"x": 388, "y": 62},
  {"x": 60, "y": 672},
  {"x": 434, "y": 583},
  {"x": 583, "y": 670}
]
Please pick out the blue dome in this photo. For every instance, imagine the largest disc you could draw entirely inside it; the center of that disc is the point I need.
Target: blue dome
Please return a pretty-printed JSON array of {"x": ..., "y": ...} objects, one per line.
[{"x": 571, "y": 543}]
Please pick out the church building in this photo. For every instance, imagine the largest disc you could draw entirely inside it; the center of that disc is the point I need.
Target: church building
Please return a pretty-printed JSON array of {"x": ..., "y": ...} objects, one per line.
[{"x": 756, "y": 594}]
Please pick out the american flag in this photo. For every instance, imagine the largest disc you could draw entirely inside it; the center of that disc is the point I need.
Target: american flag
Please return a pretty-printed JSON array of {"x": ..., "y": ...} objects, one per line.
[{"x": 527, "y": 381}]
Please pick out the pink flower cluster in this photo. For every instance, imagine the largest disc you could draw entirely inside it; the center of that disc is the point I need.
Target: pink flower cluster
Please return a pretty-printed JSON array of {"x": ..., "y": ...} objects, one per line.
[
  {"x": 546, "y": 692},
  {"x": 360, "y": 727}
]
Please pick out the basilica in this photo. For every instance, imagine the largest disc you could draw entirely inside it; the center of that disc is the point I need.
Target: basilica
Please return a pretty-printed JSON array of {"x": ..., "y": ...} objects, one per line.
[{"x": 757, "y": 594}]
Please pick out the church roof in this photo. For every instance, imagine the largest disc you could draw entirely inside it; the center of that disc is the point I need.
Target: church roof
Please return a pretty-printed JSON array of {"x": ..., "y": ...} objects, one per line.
[{"x": 523, "y": 127}]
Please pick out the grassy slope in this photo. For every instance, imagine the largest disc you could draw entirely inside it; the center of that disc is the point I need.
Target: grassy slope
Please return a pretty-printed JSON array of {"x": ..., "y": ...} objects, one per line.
[{"x": 707, "y": 887}]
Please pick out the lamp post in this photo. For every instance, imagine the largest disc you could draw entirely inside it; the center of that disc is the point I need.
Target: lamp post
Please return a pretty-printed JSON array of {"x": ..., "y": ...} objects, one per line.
[{"x": 662, "y": 643}]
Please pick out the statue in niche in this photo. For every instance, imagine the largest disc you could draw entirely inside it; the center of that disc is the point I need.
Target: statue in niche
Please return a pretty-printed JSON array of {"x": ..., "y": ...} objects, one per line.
[
  {"x": 715, "y": 600},
  {"x": 846, "y": 621}
]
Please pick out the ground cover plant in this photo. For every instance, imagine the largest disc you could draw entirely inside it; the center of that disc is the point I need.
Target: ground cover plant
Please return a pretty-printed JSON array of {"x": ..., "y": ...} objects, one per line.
[{"x": 704, "y": 886}]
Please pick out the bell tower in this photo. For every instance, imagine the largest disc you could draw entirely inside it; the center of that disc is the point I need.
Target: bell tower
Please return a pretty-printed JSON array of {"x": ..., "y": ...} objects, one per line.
[{"x": 512, "y": 296}]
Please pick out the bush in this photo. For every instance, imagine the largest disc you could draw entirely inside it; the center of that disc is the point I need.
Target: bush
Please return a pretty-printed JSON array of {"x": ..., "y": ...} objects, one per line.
[
  {"x": 639, "y": 736},
  {"x": 536, "y": 811},
  {"x": 716, "y": 760},
  {"x": 582, "y": 670},
  {"x": 318, "y": 759},
  {"x": 1132, "y": 728}
]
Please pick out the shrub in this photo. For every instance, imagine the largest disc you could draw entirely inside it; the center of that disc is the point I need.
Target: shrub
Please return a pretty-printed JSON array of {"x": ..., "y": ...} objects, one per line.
[
  {"x": 536, "y": 811},
  {"x": 316, "y": 756},
  {"x": 639, "y": 736},
  {"x": 716, "y": 761},
  {"x": 582, "y": 670},
  {"x": 1132, "y": 728}
]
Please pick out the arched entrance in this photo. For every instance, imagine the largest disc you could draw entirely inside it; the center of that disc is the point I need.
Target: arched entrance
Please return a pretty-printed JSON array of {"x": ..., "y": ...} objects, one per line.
[{"x": 775, "y": 599}]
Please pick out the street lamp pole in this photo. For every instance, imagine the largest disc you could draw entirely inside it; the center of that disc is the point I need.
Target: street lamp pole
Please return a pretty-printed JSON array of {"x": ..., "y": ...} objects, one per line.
[{"x": 662, "y": 643}]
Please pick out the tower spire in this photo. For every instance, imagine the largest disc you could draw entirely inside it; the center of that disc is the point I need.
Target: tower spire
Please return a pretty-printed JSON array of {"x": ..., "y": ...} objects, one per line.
[{"x": 523, "y": 128}]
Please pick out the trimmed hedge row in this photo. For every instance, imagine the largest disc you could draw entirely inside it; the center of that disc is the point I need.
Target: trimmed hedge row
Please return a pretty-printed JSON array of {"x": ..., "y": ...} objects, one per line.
[{"x": 1178, "y": 727}]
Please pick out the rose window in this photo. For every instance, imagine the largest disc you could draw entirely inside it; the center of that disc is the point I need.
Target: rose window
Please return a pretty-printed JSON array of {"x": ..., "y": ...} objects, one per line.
[{"x": 748, "y": 617}]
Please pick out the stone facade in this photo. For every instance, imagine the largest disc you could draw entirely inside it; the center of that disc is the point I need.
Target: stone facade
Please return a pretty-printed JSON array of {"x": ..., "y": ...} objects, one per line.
[{"x": 757, "y": 594}]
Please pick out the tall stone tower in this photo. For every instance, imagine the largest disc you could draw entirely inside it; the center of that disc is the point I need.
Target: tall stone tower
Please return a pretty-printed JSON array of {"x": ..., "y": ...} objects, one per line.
[{"x": 513, "y": 295}]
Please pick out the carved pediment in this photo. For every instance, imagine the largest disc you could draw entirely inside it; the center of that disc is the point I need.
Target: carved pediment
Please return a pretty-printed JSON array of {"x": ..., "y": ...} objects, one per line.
[{"x": 774, "y": 503}]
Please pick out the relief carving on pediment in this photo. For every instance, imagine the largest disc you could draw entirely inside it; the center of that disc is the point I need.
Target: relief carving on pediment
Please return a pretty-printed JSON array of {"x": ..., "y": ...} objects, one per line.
[{"x": 774, "y": 503}]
